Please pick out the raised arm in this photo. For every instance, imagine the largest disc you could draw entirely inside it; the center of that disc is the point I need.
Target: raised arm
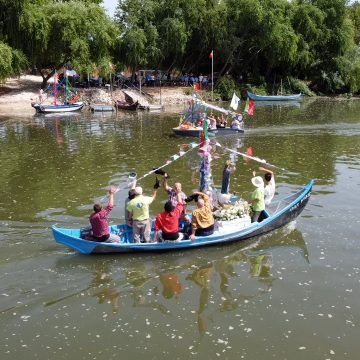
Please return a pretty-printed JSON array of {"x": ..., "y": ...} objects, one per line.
[{"x": 266, "y": 170}]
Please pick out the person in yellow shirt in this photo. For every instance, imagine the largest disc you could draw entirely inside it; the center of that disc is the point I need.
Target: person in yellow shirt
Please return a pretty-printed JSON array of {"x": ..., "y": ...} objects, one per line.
[
  {"x": 202, "y": 222},
  {"x": 138, "y": 210}
]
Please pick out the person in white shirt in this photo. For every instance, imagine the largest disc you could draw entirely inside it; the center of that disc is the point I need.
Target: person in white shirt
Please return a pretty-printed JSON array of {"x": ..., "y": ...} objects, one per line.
[{"x": 269, "y": 190}]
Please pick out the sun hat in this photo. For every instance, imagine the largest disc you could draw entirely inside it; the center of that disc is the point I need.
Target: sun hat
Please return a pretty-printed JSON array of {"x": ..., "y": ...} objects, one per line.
[
  {"x": 257, "y": 181},
  {"x": 138, "y": 190}
]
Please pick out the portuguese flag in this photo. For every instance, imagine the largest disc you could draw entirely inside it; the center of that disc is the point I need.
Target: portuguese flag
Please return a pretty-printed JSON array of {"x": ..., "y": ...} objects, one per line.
[{"x": 249, "y": 107}]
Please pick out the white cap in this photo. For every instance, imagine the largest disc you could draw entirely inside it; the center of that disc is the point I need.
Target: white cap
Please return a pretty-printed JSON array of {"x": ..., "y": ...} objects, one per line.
[
  {"x": 257, "y": 181},
  {"x": 138, "y": 190}
]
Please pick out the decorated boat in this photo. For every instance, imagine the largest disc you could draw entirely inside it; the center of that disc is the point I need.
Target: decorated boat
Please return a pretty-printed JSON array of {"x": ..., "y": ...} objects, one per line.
[
  {"x": 70, "y": 100},
  {"x": 292, "y": 97},
  {"x": 193, "y": 119},
  {"x": 190, "y": 131},
  {"x": 123, "y": 105},
  {"x": 277, "y": 214}
]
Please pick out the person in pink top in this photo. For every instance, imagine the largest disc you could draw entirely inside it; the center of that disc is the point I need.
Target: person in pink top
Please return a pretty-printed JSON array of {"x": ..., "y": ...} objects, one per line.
[{"x": 99, "y": 222}]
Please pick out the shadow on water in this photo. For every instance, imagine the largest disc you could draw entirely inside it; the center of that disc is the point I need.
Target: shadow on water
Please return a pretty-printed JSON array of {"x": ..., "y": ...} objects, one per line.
[{"x": 151, "y": 281}]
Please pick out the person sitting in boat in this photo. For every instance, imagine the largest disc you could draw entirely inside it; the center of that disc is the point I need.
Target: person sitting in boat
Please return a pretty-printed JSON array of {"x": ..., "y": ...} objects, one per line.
[
  {"x": 237, "y": 122},
  {"x": 202, "y": 221},
  {"x": 257, "y": 197},
  {"x": 269, "y": 189},
  {"x": 212, "y": 122},
  {"x": 221, "y": 123},
  {"x": 167, "y": 222},
  {"x": 138, "y": 209},
  {"x": 99, "y": 222}
]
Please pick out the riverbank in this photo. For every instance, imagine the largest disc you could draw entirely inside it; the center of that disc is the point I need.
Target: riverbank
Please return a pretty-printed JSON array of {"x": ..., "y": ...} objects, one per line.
[{"x": 17, "y": 94}]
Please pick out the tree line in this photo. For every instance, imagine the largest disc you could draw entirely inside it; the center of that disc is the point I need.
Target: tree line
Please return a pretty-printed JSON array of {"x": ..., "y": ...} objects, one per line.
[{"x": 259, "y": 41}]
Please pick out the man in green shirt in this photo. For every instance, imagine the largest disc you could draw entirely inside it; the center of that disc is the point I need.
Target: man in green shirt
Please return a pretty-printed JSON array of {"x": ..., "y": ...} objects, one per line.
[
  {"x": 138, "y": 209},
  {"x": 257, "y": 197}
]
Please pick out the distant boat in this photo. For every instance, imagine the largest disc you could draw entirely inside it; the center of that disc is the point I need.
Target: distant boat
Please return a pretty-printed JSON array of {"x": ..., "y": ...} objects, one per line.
[
  {"x": 123, "y": 105},
  {"x": 292, "y": 97},
  {"x": 101, "y": 108},
  {"x": 151, "y": 107},
  {"x": 60, "y": 108},
  {"x": 277, "y": 214},
  {"x": 196, "y": 132},
  {"x": 66, "y": 106}
]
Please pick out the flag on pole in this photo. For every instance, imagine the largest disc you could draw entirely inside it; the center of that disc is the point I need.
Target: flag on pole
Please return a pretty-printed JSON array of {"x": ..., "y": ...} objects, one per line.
[
  {"x": 211, "y": 54},
  {"x": 234, "y": 102},
  {"x": 249, "y": 107}
]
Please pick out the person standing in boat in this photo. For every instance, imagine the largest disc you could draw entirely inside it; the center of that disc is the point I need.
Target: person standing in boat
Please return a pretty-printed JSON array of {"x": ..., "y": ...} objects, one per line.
[
  {"x": 139, "y": 217},
  {"x": 224, "y": 196},
  {"x": 99, "y": 222},
  {"x": 257, "y": 197},
  {"x": 269, "y": 190}
]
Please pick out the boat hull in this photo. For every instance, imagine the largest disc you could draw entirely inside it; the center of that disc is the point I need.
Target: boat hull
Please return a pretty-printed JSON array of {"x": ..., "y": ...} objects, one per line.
[
  {"x": 101, "y": 108},
  {"x": 279, "y": 214},
  {"x": 125, "y": 106},
  {"x": 254, "y": 97},
  {"x": 48, "y": 109},
  {"x": 212, "y": 132}
]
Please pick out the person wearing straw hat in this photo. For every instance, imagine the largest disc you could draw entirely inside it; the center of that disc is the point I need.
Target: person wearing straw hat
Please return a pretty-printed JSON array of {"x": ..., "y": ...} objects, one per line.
[{"x": 257, "y": 197}]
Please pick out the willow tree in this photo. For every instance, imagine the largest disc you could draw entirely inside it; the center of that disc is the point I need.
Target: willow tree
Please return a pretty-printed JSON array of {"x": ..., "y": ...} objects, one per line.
[{"x": 77, "y": 32}]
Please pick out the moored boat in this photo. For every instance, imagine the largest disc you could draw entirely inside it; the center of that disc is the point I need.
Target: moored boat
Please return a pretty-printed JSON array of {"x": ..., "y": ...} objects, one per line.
[
  {"x": 278, "y": 214},
  {"x": 101, "y": 108},
  {"x": 123, "y": 105},
  {"x": 58, "y": 108},
  {"x": 255, "y": 97}
]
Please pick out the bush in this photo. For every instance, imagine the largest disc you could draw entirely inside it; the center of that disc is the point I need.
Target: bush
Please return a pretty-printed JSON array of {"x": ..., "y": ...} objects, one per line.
[
  {"x": 226, "y": 88},
  {"x": 299, "y": 86}
]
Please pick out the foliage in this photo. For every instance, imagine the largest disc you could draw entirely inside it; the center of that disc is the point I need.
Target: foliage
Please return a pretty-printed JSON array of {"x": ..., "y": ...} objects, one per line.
[
  {"x": 226, "y": 87},
  {"x": 313, "y": 40},
  {"x": 298, "y": 86}
]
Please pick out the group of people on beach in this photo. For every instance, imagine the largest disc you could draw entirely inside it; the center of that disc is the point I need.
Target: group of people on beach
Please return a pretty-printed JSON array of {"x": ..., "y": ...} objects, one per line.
[{"x": 175, "y": 211}]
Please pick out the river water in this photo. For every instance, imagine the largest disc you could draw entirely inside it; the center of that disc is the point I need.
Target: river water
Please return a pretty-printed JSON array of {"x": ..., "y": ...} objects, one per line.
[{"x": 292, "y": 294}]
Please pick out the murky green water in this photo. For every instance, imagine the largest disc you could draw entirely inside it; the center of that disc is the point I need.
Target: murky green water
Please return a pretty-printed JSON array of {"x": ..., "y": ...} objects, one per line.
[{"x": 292, "y": 294}]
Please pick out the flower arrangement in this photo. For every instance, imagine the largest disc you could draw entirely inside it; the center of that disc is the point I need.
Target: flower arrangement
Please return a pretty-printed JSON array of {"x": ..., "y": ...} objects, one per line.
[{"x": 239, "y": 210}]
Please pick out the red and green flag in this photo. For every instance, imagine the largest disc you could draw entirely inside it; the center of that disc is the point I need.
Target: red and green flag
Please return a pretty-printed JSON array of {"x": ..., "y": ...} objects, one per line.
[{"x": 249, "y": 107}]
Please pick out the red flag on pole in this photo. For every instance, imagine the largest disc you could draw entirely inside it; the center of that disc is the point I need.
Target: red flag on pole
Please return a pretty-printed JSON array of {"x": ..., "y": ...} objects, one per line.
[{"x": 211, "y": 54}]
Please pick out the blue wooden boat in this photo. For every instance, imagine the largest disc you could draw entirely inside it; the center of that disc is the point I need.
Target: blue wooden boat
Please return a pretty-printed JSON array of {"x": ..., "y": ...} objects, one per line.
[
  {"x": 255, "y": 97},
  {"x": 195, "y": 132},
  {"x": 278, "y": 214}
]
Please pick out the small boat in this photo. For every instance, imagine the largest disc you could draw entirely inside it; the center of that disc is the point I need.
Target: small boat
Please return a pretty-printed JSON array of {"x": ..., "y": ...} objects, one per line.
[
  {"x": 70, "y": 101},
  {"x": 60, "y": 108},
  {"x": 277, "y": 214},
  {"x": 151, "y": 107},
  {"x": 123, "y": 105},
  {"x": 196, "y": 132},
  {"x": 101, "y": 108},
  {"x": 292, "y": 97}
]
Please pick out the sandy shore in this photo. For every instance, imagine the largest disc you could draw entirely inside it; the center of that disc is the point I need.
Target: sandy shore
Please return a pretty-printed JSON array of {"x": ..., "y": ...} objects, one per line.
[{"x": 17, "y": 94}]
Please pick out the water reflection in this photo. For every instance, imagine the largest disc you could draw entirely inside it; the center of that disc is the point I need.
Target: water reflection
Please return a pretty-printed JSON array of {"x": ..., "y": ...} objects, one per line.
[{"x": 218, "y": 279}]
